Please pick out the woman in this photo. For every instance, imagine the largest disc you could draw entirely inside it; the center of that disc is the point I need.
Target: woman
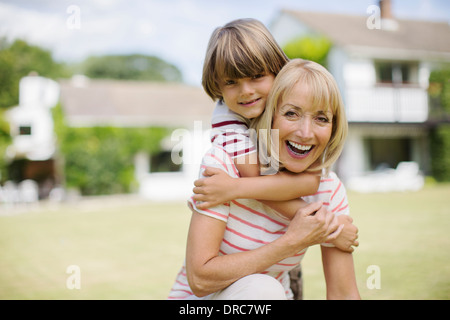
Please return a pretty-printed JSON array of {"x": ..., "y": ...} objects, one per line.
[{"x": 243, "y": 249}]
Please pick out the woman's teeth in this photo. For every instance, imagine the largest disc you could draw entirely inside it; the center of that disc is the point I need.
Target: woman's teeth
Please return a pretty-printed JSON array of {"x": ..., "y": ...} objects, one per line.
[{"x": 299, "y": 148}]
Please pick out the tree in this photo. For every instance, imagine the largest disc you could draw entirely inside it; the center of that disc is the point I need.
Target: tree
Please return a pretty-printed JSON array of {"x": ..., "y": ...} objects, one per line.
[
  {"x": 131, "y": 67},
  {"x": 439, "y": 98},
  {"x": 309, "y": 48},
  {"x": 17, "y": 60}
]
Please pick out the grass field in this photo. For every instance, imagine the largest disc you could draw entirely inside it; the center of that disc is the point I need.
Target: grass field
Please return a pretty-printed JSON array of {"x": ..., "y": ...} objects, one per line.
[{"x": 130, "y": 249}]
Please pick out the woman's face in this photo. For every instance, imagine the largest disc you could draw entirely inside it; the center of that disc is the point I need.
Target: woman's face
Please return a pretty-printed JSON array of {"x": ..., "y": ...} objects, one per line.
[{"x": 304, "y": 129}]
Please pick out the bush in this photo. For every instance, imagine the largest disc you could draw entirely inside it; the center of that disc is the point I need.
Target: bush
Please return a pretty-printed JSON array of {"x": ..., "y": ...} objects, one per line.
[
  {"x": 309, "y": 48},
  {"x": 439, "y": 93},
  {"x": 440, "y": 152},
  {"x": 99, "y": 160}
]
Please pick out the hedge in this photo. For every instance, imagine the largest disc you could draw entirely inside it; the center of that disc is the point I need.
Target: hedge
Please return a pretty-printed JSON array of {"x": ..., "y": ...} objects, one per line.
[
  {"x": 100, "y": 160},
  {"x": 439, "y": 93}
]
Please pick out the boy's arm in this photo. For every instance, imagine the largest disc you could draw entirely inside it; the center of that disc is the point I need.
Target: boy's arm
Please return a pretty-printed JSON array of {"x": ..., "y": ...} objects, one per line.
[
  {"x": 349, "y": 235},
  {"x": 218, "y": 188},
  {"x": 279, "y": 187}
]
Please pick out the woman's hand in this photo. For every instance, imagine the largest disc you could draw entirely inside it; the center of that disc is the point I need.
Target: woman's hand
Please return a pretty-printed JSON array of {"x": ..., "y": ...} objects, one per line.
[
  {"x": 349, "y": 235},
  {"x": 312, "y": 224},
  {"x": 217, "y": 188}
]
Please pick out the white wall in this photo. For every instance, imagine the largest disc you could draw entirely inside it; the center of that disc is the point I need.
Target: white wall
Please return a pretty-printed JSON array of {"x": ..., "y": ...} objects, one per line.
[
  {"x": 37, "y": 95},
  {"x": 170, "y": 186}
]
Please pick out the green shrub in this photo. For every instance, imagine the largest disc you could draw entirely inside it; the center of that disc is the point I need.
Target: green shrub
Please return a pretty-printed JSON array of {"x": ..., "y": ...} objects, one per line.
[
  {"x": 440, "y": 152},
  {"x": 99, "y": 160},
  {"x": 309, "y": 48},
  {"x": 439, "y": 93}
]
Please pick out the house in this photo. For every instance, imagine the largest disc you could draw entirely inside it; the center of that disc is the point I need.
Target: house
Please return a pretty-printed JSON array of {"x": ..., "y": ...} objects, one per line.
[
  {"x": 382, "y": 66},
  {"x": 185, "y": 109},
  {"x": 86, "y": 103},
  {"x": 31, "y": 154}
]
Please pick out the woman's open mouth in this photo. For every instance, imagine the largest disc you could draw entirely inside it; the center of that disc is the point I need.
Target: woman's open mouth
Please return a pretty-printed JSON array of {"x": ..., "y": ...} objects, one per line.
[{"x": 298, "y": 150}]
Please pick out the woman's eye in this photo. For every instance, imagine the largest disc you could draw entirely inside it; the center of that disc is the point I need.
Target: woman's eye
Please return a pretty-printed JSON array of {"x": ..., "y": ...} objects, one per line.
[
  {"x": 290, "y": 114},
  {"x": 257, "y": 76},
  {"x": 323, "y": 119}
]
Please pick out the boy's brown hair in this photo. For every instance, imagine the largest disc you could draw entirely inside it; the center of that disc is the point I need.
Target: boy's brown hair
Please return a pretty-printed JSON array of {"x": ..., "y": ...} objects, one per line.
[{"x": 241, "y": 48}]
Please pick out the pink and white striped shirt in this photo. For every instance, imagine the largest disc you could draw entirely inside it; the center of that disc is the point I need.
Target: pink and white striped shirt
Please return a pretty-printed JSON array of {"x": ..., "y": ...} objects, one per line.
[
  {"x": 230, "y": 131},
  {"x": 250, "y": 224}
]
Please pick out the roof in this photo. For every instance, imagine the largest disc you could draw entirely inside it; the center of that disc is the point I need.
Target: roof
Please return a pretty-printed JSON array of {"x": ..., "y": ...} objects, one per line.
[
  {"x": 133, "y": 103},
  {"x": 350, "y": 30}
]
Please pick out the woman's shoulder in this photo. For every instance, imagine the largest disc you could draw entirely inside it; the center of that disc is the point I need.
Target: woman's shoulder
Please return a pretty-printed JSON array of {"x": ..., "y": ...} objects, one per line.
[
  {"x": 218, "y": 157},
  {"x": 331, "y": 185},
  {"x": 330, "y": 178}
]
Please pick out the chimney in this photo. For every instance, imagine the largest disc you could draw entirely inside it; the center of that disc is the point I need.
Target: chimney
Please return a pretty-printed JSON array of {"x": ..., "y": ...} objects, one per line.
[
  {"x": 386, "y": 9},
  {"x": 388, "y": 22}
]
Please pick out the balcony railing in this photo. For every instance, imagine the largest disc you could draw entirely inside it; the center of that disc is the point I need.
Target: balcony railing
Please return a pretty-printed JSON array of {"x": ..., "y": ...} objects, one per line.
[{"x": 386, "y": 103}]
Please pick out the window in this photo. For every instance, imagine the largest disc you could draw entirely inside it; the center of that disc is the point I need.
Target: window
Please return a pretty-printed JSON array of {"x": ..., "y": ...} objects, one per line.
[
  {"x": 397, "y": 72},
  {"x": 162, "y": 162},
  {"x": 388, "y": 153},
  {"x": 25, "y": 130}
]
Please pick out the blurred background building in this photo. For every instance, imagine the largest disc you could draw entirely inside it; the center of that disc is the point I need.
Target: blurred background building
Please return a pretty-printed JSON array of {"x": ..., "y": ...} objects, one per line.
[
  {"x": 383, "y": 73},
  {"x": 382, "y": 64}
]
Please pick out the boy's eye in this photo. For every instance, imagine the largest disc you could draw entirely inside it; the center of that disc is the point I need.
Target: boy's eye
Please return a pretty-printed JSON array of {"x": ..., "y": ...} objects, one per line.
[
  {"x": 257, "y": 76},
  {"x": 229, "y": 82}
]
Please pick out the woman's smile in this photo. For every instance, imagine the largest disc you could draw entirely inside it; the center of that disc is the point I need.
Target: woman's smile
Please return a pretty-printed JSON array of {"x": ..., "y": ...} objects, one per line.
[{"x": 298, "y": 150}]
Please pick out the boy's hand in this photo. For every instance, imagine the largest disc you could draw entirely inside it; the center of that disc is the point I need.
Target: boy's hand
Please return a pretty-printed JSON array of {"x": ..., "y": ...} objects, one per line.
[
  {"x": 349, "y": 235},
  {"x": 217, "y": 188}
]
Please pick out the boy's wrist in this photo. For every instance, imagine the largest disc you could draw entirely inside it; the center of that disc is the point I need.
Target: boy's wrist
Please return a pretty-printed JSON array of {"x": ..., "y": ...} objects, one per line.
[{"x": 235, "y": 189}]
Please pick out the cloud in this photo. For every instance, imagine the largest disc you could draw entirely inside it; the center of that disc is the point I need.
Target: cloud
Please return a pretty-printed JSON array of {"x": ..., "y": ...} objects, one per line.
[{"x": 175, "y": 30}]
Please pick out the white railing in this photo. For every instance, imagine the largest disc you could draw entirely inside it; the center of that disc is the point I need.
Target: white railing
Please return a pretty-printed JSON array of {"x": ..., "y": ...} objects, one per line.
[{"x": 385, "y": 103}]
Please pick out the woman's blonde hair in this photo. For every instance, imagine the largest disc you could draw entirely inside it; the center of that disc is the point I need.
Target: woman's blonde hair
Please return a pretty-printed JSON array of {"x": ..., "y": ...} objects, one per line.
[
  {"x": 324, "y": 92},
  {"x": 241, "y": 48}
]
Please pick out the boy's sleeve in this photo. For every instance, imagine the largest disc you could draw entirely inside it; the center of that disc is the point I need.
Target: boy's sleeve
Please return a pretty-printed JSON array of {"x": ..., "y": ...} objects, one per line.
[
  {"x": 230, "y": 132},
  {"x": 218, "y": 158}
]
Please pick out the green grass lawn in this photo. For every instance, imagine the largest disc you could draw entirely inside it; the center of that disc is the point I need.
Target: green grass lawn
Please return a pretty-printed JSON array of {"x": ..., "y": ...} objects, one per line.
[{"x": 133, "y": 250}]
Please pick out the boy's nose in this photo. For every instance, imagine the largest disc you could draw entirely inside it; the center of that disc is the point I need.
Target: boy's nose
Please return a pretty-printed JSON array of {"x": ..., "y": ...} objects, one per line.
[{"x": 247, "y": 87}]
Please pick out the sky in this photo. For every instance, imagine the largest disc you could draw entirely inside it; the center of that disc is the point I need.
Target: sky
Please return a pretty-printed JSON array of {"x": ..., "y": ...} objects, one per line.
[{"x": 174, "y": 30}]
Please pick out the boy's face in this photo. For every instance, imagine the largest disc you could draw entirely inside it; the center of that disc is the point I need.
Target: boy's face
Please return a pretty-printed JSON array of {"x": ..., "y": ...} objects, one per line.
[{"x": 247, "y": 96}]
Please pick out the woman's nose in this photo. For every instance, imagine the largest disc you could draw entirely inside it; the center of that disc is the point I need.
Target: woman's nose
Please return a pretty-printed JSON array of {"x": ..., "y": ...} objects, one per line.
[{"x": 305, "y": 128}]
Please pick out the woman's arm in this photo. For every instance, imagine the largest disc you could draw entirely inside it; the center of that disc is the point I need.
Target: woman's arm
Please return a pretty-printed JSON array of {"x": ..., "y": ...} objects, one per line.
[
  {"x": 209, "y": 272},
  {"x": 218, "y": 187},
  {"x": 339, "y": 274}
]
